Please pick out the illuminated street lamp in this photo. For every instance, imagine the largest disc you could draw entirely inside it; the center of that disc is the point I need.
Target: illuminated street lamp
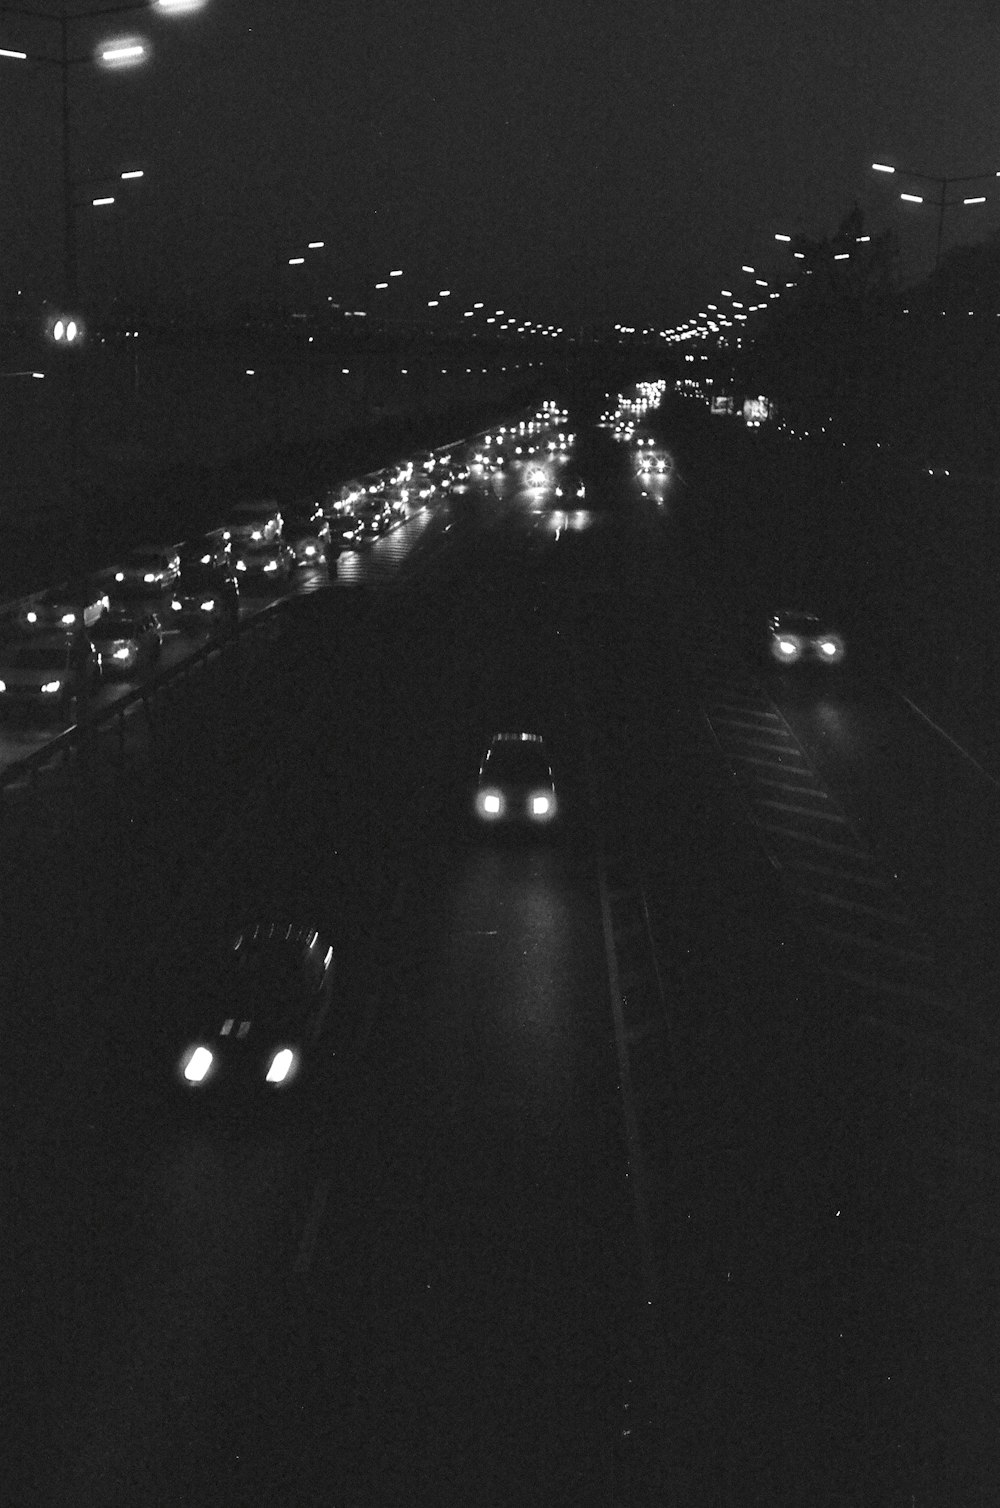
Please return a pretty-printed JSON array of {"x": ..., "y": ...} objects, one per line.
[
  {"x": 942, "y": 201},
  {"x": 119, "y": 52}
]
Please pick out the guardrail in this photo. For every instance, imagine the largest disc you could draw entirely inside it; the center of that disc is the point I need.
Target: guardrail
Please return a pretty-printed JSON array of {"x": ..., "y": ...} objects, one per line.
[{"x": 71, "y": 745}]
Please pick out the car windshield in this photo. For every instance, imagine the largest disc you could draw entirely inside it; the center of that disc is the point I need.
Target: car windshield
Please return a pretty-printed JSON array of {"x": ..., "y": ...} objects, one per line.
[
  {"x": 33, "y": 656},
  {"x": 799, "y": 623},
  {"x": 112, "y": 627},
  {"x": 517, "y": 763},
  {"x": 267, "y": 984},
  {"x": 196, "y": 577}
]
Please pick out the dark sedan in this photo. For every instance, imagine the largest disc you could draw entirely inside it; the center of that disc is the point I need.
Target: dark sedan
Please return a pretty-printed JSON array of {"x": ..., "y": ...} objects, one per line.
[
  {"x": 64, "y": 608},
  {"x": 264, "y": 568},
  {"x": 53, "y": 674},
  {"x": 307, "y": 531},
  {"x": 206, "y": 597},
  {"x": 515, "y": 781},
  {"x": 128, "y": 643},
  {"x": 796, "y": 638},
  {"x": 260, "y": 1014}
]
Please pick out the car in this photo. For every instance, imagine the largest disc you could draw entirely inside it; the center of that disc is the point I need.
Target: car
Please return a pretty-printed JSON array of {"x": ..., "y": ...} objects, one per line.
[
  {"x": 651, "y": 464},
  {"x": 264, "y": 566},
  {"x": 146, "y": 571},
  {"x": 206, "y": 596},
  {"x": 396, "y": 503},
  {"x": 254, "y": 523},
  {"x": 307, "y": 531},
  {"x": 259, "y": 1015},
  {"x": 127, "y": 643},
  {"x": 515, "y": 783},
  {"x": 370, "y": 524},
  {"x": 794, "y": 637},
  {"x": 344, "y": 530},
  {"x": 211, "y": 549},
  {"x": 454, "y": 473},
  {"x": 52, "y": 673},
  {"x": 63, "y": 608},
  {"x": 570, "y": 484}
]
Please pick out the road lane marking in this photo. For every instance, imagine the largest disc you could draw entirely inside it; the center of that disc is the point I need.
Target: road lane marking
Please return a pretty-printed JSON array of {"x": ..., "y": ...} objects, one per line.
[{"x": 310, "y": 1233}]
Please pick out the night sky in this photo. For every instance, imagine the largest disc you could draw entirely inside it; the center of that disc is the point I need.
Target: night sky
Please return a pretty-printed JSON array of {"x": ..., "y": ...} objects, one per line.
[{"x": 564, "y": 160}]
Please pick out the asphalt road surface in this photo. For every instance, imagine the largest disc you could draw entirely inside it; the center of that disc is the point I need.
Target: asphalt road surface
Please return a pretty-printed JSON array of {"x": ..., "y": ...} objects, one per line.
[{"x": 427, "y": 1278}]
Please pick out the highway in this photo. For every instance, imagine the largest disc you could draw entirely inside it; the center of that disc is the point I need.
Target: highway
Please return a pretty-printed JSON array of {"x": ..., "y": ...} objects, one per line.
[{"x": 612, "y": 1183}]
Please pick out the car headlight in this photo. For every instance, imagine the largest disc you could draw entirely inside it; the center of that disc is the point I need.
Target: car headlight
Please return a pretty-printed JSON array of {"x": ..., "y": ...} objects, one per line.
[
  {"x": 119, "y": 575},
  {"x": 208, "y": 606},
  {"x": 195, "y": 1064},
  {"x": 51, "y": 687},
  {"x": 543, "y": 804},
  {"x": 271, "y": 565},
  {"x": 281, "y": 1066},
  {"x": 149, "y": 576},
  {"x": 31, "y": 617},
  {"x": 786, "y": 649},
  {"x": 831, "y": 649},
  {"x": 241, "y": 565},
  {"x": 175, "y": 604},
  {"x": 256, "y": 535},
  {"x": 124, "y": 652},
  {"x": 3, "y": 685},
  {"x": 490, "y": 803}
]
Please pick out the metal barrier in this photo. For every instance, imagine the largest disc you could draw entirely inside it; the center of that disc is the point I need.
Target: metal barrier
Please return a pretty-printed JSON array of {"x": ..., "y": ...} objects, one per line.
[{"x": 72, "y": 744}]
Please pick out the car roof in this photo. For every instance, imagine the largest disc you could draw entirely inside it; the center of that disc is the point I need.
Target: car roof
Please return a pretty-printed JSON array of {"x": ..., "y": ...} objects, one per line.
[
  {"x": 263, "y": 508},
  {"x": 118, "y": 618},
  {"x": 517, "y": 755},
  {"x": 35, "y": 649},
  {"x": 791, "y": 618}
]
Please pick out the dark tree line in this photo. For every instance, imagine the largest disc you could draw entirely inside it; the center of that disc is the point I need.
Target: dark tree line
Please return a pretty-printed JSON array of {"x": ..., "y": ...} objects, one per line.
[{"x": 916, "y": 368}]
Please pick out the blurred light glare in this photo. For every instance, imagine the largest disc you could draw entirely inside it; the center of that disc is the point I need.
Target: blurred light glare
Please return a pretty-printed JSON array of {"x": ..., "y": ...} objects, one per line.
[
  {"x": 124, "y": 52},
  {"x": 912, "y": 198},
  {"x": 176, "y": 7},
  {"x": 6, "y": 52},
  {"x": 134, "y": 173},
  {"x": 882, "y": 167}
]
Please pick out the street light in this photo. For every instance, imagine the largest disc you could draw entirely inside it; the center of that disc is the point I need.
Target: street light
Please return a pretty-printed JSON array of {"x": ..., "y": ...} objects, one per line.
[
  {"x": 121, "y": 52},
  {"x": 943, "y": 202}
]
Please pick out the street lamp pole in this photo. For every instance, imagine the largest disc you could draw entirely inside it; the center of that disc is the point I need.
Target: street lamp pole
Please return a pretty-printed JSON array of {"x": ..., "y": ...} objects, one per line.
[
  {"x": 112, "y": 56},
  {"x": 943, "y": 202},
  {"x": 70, "y": 278}
]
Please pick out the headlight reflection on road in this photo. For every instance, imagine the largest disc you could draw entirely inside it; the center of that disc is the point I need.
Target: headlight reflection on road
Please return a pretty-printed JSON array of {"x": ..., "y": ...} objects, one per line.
[{"x": 514, "y": 958}]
